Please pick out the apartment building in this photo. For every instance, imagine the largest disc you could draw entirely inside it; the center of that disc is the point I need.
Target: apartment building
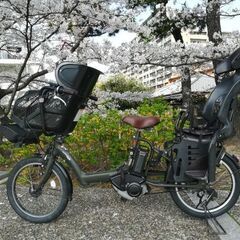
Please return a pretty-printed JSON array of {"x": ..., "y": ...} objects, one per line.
[
  {"x": 156, "y": 77},
  {"x": 10, "y": 64}
]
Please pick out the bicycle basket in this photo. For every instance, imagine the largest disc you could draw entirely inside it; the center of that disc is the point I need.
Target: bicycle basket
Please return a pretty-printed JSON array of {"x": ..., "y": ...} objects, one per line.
[
  {"x": 43, "y": 111},
  {"x": 55, "y": 114}
]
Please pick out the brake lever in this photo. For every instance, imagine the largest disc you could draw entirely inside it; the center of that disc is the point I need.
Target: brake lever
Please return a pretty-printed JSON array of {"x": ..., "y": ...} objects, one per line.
[{"x": 56, "y": 97}]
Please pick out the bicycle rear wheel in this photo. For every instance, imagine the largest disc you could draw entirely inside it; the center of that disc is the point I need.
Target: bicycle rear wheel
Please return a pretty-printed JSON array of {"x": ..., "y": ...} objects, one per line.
[
  {"x": 37, "y": 207},
  {"x": 214, "y": 200}
]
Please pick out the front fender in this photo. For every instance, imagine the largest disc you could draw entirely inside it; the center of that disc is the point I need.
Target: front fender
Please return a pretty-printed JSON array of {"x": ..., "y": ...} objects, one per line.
[{"x": 67, "y": 177}]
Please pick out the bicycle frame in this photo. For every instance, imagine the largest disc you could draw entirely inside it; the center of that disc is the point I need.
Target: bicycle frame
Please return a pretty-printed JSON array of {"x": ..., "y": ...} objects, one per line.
[{"x": 83, "y": 177}]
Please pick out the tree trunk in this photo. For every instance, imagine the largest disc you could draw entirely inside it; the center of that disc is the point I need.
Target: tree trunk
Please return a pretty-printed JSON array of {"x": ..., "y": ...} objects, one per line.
[
  {"x": 176, "y": 32},
  {"x": 186, "y": 88}
]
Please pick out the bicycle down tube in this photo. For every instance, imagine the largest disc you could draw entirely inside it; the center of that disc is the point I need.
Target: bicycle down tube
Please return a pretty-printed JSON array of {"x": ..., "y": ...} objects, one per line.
[{"x": 83, "y": 177}]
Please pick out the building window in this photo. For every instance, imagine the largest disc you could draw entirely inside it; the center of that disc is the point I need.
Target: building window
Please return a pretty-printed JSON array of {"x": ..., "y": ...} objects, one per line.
[
  {"x": 3, "y": 54},
  {"x": 168, "y": 74},
  {"x": 153, "y": 74},
  {"x": 160, "y": 85},
  {"x": 151, "y": 67},
  {"x": 13, "y": 52},
  {"x": 197, "y": 40},
  {"x": 152, "y": 81},
  {"x": 198, "y": 33},
  {"x": 167, "y": 43}
]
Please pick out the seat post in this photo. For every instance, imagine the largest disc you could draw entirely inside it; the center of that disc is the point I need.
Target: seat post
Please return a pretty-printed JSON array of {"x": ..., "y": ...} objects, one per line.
[{"x": 136, "y": 137}]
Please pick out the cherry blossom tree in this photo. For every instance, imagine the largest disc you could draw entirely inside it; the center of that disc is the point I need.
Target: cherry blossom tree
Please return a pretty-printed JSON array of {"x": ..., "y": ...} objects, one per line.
[
  {"x": 42, "y": 28},
  {"x": 65, "y": 28},
  {"x": 165, "y": 20}
]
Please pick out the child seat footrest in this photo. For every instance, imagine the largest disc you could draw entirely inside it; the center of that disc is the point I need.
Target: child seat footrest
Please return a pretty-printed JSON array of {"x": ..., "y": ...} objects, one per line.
[
  {"x": 197, "y": 174},
  {"x": 16, "y": 134}
]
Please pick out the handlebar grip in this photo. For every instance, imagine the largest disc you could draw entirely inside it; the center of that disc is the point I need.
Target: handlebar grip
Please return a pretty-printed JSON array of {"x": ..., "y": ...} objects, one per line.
[
  {"x": 45, "y": 88},
  {"x": 94, "y": 98}
]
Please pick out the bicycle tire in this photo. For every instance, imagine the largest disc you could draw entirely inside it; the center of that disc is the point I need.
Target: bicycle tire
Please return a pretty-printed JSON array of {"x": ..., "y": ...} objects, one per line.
[
  {"x": 227, "y": 204},
  {"x": 57, "y": 184}
]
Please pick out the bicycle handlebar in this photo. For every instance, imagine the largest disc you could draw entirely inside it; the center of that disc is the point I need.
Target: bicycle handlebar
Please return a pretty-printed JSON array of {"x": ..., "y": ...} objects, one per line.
[
  {"x": 61, "y": 89},
  {"x": 94, "y": 98}
]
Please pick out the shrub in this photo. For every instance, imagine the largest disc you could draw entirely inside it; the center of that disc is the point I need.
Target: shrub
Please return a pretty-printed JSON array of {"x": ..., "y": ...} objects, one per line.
[
  {"x": 102, "y": 141},
  {"x": 165, "y": 129},
  {"x": 9, "y": 153},
  {"x": 120, "y": 83}
]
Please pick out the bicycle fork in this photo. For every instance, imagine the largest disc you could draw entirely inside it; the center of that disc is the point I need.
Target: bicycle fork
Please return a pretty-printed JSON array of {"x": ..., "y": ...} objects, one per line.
[{"x": 50, "y": 160}]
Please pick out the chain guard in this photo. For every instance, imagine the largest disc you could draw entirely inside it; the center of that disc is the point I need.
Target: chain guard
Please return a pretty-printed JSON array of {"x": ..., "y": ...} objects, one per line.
[{"x": 128, "y": 185}]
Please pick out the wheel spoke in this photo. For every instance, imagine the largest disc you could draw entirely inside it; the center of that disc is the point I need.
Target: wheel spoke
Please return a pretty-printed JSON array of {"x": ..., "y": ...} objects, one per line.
[
  {"x": 214, "y": 199},
  {"x": 22, "y": 195},
  {"x": 36, "y": 206},
  {"x": 25, "y": 179}
]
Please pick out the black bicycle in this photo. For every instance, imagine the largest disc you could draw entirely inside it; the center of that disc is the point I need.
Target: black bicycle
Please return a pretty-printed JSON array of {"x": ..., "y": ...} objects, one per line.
[{"x": 201, "y": 177}]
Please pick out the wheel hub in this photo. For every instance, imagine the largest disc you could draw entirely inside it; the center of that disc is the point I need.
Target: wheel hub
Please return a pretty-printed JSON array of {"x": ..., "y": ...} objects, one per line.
[{"x": 35, "y": 193}]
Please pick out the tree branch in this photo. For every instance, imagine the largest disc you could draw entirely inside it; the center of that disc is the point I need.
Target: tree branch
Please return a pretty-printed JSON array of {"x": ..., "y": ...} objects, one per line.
[
  {"x": 25, "y": 84},
  {"x": 83, "y": 35},
  {"x": 229, "y": 15}
]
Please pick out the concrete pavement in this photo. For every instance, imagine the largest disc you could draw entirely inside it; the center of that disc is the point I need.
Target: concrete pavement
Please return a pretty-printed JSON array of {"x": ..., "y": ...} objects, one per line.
[{"x": 97, "y": 213}]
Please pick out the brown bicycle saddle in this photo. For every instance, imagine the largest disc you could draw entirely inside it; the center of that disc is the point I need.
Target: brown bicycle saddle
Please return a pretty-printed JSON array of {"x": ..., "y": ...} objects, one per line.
[{"x": 141, "y": 122}]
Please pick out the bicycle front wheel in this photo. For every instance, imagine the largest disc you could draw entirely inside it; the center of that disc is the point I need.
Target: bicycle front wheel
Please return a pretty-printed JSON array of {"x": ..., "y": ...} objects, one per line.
[
  {"x": 44, "y": 205},
  {"x": 213, "y": 200}
]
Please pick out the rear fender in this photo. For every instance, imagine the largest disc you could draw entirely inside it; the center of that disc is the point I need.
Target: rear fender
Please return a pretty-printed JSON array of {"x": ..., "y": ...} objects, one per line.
[
  {"x": 233, "y": 158},
  {"x": 223, "y": 114}
]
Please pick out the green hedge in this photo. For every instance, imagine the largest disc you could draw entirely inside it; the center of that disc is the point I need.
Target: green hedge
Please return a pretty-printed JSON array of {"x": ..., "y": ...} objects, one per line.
[{"x": 102, "y": 141}]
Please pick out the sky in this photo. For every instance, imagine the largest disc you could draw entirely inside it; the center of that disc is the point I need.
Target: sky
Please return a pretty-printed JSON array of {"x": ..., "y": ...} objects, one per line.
[
  {"x": 230, "y": 24},
  {"x": 227, "y": 24}
]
